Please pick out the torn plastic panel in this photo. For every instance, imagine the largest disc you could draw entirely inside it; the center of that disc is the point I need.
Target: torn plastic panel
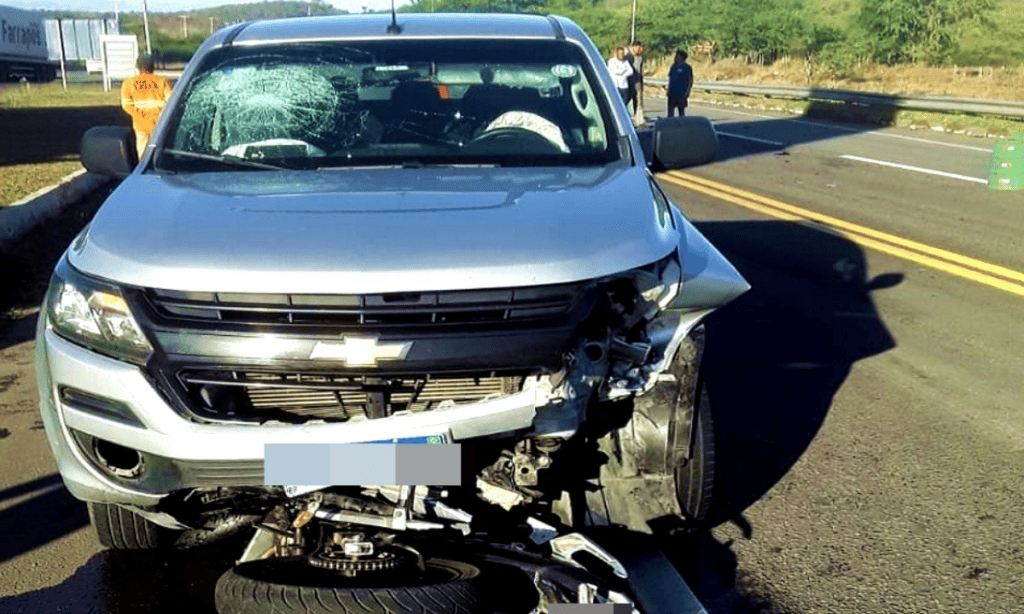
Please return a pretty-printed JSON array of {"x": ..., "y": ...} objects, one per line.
[{"x": 636, "y": 331}]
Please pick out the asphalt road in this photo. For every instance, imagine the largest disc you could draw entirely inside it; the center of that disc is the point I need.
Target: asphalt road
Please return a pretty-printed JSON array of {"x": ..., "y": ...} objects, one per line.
[{"x": 868, "y": 405}]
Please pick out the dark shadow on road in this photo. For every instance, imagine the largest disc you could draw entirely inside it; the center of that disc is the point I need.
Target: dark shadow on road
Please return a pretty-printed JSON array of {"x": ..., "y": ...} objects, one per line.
[
  {"x": 704, "y": 563},
  {"x": 860, "y": 108},
  {"x": 777, "y": 355},
  {"x": 134, "y": 583},
  {"x": 47, "y": 134},
  {"x": 25, "y": 268},
  {"x": 50, "y": 514},
  {"x": 835, "y": 119},
  {"x": 710, "y": 570},
  {"x": 29, "y": 487},
  {"x": 774, "y": 360}
]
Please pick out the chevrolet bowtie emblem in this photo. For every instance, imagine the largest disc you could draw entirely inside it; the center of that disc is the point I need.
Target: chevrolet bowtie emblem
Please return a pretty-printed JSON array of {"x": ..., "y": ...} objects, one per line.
[{"x": 360, "y": 351}]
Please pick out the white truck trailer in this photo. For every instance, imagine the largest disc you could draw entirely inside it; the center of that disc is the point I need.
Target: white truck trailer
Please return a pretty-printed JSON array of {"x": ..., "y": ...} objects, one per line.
[{"x": 23, "y": 47}]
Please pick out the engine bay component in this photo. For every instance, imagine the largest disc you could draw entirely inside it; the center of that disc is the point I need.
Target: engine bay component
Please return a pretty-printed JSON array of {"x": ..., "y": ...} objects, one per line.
[{"x": 564, "y": 547}]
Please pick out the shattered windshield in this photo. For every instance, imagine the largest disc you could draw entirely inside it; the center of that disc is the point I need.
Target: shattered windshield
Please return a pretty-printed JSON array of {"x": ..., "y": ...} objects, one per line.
[{"x": 392, "y": 102}]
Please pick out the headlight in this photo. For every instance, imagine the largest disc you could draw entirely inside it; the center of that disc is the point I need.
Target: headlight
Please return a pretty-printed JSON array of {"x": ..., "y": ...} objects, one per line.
[
  {"x": 670, "y": 278},
  {"x": 94, "y": 314},
  {"x": 660, "y": 284}
]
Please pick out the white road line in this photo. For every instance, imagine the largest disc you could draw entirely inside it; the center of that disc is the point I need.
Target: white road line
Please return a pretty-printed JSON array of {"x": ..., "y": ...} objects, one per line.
[
  {"x": 930, "y": 142},
  {"x": 749, "y": 138},
  {"x": 855, "y": 131},
  {"x": 917, "y": 169}
]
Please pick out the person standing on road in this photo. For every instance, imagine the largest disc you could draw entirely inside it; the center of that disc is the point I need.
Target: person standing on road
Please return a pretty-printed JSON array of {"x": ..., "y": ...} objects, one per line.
[
  {"x": 638, "y": 82},
  {"x": 680, "y": 82},
  {"x": 621, "y": 71},
  {"x": 143, "y": 98},
  {"x": 627, "y": 55}
]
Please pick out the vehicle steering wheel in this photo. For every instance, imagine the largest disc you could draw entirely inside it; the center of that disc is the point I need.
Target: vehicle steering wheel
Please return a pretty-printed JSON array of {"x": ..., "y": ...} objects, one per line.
[{"x": 529, "y": 140}]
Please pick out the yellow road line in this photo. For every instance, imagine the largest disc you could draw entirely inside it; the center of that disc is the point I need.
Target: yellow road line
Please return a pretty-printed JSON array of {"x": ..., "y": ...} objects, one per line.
[
  {"x": 896, "y": 246},
  {"x": 994, "y": 269}
]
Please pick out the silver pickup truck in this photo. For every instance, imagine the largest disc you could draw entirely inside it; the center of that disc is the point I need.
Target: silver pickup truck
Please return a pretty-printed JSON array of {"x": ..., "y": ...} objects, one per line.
[{"x": 434, "y": 239}]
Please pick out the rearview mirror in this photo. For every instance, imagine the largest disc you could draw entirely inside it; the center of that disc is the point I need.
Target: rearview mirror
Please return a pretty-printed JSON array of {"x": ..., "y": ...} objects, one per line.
[
  {"x": 109, "y": 150},
  {"x": 678, "y": 142}
]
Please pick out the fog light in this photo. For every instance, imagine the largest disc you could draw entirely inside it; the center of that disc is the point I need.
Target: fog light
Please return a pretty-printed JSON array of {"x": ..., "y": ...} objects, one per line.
[{"x": 118, "y": 460}]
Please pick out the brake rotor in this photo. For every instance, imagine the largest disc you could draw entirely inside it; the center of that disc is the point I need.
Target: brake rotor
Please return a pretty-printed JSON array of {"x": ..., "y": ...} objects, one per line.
[{"x": 335, "y": 559}]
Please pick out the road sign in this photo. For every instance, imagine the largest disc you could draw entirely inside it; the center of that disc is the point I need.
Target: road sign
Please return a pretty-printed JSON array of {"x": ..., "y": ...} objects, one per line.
[
  {"x": 1007, "y": 169},
  {"x": 120, "y": 52}
]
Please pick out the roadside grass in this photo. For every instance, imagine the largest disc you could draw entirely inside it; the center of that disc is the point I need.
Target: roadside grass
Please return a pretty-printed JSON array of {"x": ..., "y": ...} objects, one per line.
[
  {"x": 42, "y": 126},
  {"x": 995, "y": 83}
]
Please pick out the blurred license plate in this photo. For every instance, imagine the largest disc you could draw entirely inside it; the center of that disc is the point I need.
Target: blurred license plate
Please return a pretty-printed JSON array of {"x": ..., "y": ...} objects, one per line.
[{"x": 438, "y": 439}]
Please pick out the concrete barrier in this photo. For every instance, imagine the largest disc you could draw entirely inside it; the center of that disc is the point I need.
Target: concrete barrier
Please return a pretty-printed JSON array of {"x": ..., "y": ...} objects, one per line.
[{"x": 19, "y": 218}]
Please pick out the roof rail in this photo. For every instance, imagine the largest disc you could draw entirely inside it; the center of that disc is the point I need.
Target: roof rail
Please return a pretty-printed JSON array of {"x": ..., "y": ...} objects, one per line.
[{"x": 557, "y": 27}]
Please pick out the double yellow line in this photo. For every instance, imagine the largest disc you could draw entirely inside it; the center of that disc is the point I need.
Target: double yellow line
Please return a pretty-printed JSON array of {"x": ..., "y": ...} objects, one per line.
[{"x": 968, "y": 268}]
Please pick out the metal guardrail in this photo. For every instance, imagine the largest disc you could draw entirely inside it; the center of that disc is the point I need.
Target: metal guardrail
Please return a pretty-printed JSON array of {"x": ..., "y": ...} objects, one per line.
[{"x": 947, "y": 104}]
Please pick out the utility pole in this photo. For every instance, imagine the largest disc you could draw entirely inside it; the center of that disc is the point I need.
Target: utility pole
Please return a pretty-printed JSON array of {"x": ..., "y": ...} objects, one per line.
[
  {"x": 211, "y": 25},
  {"x": 145, "y": 23},
  {"x": 632, "y": 26},
  {"x": 184, "y": 25},
  {"x": 60, "y": 40}
]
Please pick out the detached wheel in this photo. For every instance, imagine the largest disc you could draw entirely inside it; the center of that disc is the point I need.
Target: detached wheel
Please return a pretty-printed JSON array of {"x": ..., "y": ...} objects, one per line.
[
  {"x": 119, "y": 529},
  {"x": 696, "y": 479},
  {"x": 290, "y": 585}
]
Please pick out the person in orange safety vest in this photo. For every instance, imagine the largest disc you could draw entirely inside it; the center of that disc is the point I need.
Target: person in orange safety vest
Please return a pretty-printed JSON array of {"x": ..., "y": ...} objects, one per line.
[{"x": 143, "y": 97}]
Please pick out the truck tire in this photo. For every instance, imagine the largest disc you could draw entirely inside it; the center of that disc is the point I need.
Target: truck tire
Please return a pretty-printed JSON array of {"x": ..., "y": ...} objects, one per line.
[
  {"x": 660, "y": 467},
  {"x": 289, "y": 585},
  {"x": 119, "y": 529}
]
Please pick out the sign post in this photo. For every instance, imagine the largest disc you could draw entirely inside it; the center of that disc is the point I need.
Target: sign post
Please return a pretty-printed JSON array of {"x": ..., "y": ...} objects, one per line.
[{"x": 60, "y": 42}]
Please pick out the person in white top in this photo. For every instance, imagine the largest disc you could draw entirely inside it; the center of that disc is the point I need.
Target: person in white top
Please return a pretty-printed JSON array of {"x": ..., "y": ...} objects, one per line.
[{"x": 621, "y": 71}]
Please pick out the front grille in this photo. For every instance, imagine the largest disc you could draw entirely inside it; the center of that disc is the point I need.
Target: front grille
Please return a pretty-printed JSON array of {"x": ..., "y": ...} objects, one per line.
[
  {"x": 376, "y": 310},
  {"x": 298, "y": 397}
]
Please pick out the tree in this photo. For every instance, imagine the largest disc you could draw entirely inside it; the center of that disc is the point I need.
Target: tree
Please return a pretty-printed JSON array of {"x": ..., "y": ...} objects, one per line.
[
  {"x": 474, "y": 6},
  {"x": 918, "y": 30},
  {"x": 673, "y": 24},
  {"x": 764, "y": 28}
]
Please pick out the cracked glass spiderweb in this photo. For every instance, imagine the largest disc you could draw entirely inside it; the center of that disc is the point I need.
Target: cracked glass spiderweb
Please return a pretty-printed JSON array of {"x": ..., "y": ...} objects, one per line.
[{"x": 251, "y": 104}]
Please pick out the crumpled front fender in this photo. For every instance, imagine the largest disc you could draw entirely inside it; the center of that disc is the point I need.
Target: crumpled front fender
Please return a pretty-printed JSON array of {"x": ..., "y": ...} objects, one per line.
[{"x": 708, "y": 279}]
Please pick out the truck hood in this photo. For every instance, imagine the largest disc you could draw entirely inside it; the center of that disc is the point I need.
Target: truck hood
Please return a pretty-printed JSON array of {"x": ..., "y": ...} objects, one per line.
[{"x": 374, "y": 230}]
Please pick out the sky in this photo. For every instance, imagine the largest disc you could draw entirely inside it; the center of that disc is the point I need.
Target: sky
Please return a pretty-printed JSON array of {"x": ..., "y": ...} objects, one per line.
[{"x": 167, "y": 6}]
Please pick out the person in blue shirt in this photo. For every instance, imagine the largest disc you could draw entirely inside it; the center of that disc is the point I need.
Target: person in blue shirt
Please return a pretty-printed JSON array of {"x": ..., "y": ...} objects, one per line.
[{"x": 680, "y": 82}]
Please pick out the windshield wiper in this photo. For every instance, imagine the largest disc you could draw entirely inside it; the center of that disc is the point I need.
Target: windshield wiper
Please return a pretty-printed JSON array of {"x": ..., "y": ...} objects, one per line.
[
  {"x": 228, "y": 160},
  {"x": 404, "y": 164}
]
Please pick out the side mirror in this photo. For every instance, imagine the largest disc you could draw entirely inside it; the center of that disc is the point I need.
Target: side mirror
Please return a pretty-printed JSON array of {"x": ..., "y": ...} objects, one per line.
[
  {"x": 109, "y": 150},
  {"x": 678, "y": 142}
]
